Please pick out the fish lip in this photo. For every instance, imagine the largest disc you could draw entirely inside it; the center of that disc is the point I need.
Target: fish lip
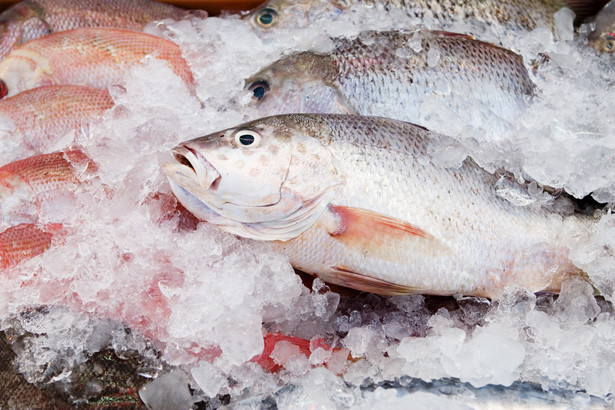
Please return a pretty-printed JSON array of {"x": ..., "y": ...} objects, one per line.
[{"x": 205, "y": 173}]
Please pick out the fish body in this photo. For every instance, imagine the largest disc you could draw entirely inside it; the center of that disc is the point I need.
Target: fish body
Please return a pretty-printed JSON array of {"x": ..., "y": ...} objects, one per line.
[
  {"x": 363, "y": 202},
  {"x": 525, "y": 15},
  {"x": 31, "y": 19},
  {"x": 35, "y": 121},
  {"x": 94, "y": 57},
  {"x": 24, "y": 241},
  {"x": 402, "y": 75},
  {"x": 38, "y": 183},
  {"x": 602, "y": 37}
]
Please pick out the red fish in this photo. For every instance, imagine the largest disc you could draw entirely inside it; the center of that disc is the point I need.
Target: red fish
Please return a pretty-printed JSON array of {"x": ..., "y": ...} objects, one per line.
[
  {"x": 37, "y": 119},
  {"x": 30, "y": 19},
  {"x": 29, "y": 184},
  {"x": 95, "y": 57}
]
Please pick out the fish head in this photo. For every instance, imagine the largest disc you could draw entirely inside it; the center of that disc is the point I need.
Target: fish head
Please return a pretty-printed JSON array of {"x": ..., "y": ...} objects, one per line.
[
  {"x": 268, "y": 179},
  {"x": 288, "y": 13},
  {"x": 300, "y": 83}
]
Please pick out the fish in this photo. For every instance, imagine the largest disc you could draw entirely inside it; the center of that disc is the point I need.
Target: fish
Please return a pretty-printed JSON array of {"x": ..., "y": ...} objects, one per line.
[
  {"x": 32, "y": 182},
  {"x": 523, "y": 15},
  {"x": 36, "y": 121},
  {"x": 364, "y": 202},
  {"x": 94, "y": 57},
  {"x": 400, "y": 75},
  {"x": 31, "y": 19},
  {"x": 24, "y": 241},
  {"x": 602, "y": 36},
  {"x": 40, "y": 183}
]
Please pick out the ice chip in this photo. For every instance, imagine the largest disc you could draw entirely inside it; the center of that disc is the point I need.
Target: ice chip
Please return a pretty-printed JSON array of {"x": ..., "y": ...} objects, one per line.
[
  {"x": 564, "y": 27},
  {"x": 167, "y": 392},
  {"x": 208, "y": 378}
]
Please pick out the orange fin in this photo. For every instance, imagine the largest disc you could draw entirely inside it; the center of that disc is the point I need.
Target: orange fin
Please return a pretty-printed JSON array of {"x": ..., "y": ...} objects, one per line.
[
  {"x": 365, "y": 283},
  {"x": 362, "y": 225}
]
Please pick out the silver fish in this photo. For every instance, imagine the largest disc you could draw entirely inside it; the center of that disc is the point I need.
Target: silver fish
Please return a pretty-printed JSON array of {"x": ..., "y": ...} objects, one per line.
[
  {"x": 516, "y": 14},
  {"x": 365, "y": 202},
  {"x": 403, "y": 75}
]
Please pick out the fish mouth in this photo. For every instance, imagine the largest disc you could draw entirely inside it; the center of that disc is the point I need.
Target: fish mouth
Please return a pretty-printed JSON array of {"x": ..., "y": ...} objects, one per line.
[{"x": 206, "y": 174}]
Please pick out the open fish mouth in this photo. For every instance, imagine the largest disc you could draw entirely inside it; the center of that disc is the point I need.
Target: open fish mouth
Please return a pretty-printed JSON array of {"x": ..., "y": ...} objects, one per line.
[{"x": 206, "y": 174}]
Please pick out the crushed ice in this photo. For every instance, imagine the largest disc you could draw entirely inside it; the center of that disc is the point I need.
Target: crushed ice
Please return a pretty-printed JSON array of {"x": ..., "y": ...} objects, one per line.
[{"x": 198, "y": 300}]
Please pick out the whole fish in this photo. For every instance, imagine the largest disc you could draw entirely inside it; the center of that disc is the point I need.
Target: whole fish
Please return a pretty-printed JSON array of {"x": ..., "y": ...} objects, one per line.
[
  {"x": 364, "y": 202},
  {"x": 95, "y": 57},
  {"x": 35, "y": 121},
  {"x": 32, "y": 184},
  {"x": 517, "y": 14},
  {"x": 30, "y": 19},
  {"x": 602, "y": 37},
  {"x": 401, "y": 75}
]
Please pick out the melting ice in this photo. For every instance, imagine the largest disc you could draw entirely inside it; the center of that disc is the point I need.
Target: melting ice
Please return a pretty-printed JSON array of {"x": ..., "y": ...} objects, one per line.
[{"x": 197, "y": 300}]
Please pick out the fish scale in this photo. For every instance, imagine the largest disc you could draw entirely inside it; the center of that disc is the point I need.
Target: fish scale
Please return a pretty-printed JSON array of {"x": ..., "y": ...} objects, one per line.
[
  {"x": 400, "y": 221},
  {"x": 518, "y": 15},
  {"x": 95, "y": 57},
  {"x": 397, "y": 75},
  {"x": 38, "y": 118},
  {"x": 31, "y": 19}
]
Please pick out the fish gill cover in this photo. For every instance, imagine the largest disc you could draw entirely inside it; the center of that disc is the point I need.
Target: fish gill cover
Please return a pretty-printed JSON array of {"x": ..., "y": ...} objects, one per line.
[{"x": 197, "y": 301}]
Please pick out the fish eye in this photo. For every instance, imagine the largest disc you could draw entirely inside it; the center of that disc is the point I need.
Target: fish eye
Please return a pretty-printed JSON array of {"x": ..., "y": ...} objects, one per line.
[
  {"x": 266, "y": 17},
  {"x": 4, "y": 90},
  {"x": 259, "y": 89},
  {"x": 609, "y": 45},
  {"x": 247, "y": 138}
]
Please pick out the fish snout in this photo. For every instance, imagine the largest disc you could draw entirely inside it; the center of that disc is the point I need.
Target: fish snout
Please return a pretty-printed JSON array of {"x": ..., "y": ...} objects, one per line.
[{"x": 206, "y": 174}]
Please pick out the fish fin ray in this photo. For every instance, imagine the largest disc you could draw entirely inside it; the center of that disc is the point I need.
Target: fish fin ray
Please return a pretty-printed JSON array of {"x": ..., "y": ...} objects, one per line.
[
  {"x": 349, "y": 278},
  {"x": 365, "y": 223}
]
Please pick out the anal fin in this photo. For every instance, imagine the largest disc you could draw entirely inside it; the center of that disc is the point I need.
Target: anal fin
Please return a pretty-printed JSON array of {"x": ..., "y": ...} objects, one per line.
[{"x": 346, "y": 277}]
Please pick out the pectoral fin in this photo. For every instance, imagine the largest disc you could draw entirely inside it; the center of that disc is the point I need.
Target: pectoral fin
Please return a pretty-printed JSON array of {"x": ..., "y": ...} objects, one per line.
[{"x": 361, "y": 226}]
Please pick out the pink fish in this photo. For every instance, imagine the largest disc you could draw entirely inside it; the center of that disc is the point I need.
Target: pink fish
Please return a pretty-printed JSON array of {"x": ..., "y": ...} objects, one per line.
[
  {"x": 39, "y": 118},
  {"x": 95, "y": 57},
  {"x": 30, "y": 19}
]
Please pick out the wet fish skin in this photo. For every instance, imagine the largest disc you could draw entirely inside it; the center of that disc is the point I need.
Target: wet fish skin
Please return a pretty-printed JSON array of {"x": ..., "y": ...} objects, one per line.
[
  {"x": 523, "y": 15},
  {"x": 362, "y": 202},
  {"x": 36, "y": 120},
  {"x": 381, "y": 74},
  {"x": 31, "y": 184},
  {"x": 24, "y": 241},
  {"x": 30, "y": 19},
  {"x": 602, "y": 37},
  {"x": 94, "y": 57}
]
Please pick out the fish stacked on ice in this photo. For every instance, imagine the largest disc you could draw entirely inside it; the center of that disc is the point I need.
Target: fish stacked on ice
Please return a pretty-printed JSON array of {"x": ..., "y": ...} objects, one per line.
[
  {"x": 523, "y": 15},
  {"x": 363, "y": 202},
  {"x": 403, "y": 75},
  {"x": 30, "y": 19},
  {"x": 372, "y": 203}
]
